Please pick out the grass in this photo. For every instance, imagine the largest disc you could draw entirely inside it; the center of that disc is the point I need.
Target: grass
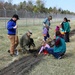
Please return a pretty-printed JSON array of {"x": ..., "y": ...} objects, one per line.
[
  {"x": 49, "y": 66},
  {"x": 52, "y": 66}
]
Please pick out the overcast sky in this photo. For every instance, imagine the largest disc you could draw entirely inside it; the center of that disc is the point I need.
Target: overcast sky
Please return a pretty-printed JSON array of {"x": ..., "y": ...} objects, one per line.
[{"x": 64, "y": 4}]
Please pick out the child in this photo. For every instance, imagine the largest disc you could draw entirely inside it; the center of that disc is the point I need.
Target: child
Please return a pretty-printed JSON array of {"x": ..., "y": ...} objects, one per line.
[
  {"x": 44, "y": 45},
  {"x": 59, "y": 28},
  {"x": 45, "y": 31}
]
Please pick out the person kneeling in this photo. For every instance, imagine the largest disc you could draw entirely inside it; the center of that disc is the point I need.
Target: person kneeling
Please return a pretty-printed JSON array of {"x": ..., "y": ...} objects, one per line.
[{"x": 59, "y": 48}]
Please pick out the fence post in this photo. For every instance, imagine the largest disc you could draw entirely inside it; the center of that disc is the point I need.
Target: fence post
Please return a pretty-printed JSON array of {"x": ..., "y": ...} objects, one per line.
[
  {"x": 16, "y": 11},
  {"x": 5, "y": 15}
]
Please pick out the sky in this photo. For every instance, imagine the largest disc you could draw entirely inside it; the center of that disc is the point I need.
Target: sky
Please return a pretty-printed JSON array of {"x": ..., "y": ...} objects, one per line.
[{"x": 64, "y": 4}]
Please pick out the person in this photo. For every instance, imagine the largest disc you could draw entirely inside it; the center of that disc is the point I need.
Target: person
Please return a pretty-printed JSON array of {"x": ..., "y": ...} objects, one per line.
[
  {"x": 26, "y": 41},
  {"x": 12, "y": 34},
  {"x": 56, "y": 29},
  {"x": 59, "y": 28},
  {"x": 47, "y": 24},
  {"x": 45, "y": 33},
  {"x": 44, "y": 45},
  {"x": 66, "y": 28},
  {"x": 59, "y": 48}
]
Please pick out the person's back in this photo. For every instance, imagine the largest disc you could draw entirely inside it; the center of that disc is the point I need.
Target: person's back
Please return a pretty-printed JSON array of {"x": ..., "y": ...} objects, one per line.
[
  {"x": 24, "y": 40},
  {"x": 61, "y": 47}
]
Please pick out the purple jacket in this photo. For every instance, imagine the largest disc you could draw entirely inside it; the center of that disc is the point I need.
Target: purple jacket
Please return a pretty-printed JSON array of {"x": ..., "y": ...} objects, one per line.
[
  {"x": 43, "y": 47},
  {"x": 45, "y": 31}
]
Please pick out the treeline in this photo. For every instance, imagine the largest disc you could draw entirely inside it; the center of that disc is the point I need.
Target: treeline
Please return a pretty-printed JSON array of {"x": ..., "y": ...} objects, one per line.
[{"x": 38, "y": 6}]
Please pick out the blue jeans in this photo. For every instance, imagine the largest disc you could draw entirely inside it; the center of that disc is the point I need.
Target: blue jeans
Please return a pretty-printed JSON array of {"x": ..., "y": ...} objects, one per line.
[{"x": 56, "y": 55}]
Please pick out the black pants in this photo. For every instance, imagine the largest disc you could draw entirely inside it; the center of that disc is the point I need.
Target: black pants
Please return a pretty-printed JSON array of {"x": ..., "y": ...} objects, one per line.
[{"x": 67, "y": 37}]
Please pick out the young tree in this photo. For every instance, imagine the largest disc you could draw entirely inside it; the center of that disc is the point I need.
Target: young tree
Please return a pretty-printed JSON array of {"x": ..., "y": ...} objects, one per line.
[
  {"x": 40, "y": 5},
  {"x": 10, "y": 1},
  {"x": 1, "y": 4},
  {"x": 30, "y": 5}
]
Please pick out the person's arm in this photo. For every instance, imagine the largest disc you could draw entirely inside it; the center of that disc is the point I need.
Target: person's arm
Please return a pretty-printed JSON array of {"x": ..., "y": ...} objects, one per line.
[
  {"x": 50, "y": 27},
  {"x": 44, "y": 23},
  {"x": 11, "y": 25},
  {"x": 41, "y": 50}
]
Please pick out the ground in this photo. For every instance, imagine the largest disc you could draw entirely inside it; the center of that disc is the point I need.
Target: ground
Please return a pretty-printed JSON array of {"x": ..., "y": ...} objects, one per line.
[
  {"x": 49, "y": 65},
  {"x": 52, "y": 66}
]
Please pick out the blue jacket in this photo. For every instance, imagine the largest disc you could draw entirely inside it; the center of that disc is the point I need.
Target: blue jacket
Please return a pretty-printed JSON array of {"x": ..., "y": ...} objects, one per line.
[
  {"x": 10, "y": 25},
  {"x": 61, "y": 47}
]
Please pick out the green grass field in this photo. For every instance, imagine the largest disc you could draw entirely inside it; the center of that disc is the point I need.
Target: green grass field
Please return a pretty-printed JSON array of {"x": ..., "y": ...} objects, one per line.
[{"x": 49, "y": 66}]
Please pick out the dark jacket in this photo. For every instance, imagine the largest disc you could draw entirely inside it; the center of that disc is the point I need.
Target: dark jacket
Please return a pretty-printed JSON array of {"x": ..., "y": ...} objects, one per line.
[{"x": 26, "y": 42}]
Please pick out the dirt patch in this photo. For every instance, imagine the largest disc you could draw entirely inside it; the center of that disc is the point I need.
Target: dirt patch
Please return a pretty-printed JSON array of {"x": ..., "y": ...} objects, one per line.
[{"x": 20, "y": 67}]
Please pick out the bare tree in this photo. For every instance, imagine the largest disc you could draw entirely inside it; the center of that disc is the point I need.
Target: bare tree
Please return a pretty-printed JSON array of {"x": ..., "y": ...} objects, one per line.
[
  {"x": 2, "y": 1},
  {"x": 10, "y": 1},
  {"x": 1, "y": 4}
]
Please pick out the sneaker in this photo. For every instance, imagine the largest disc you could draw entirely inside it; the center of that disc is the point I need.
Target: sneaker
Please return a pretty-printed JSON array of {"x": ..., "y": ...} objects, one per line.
[
  {"x": 59, "y": 57},
  {"x": 8, "y": 51},
  {"x": 16, "y": 53}
]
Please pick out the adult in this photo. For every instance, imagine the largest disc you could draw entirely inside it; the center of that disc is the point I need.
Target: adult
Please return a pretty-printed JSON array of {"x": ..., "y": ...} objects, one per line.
[
  {"x": 26, "y": 41},
  {"x": 47, "y": 24},
  {"x": 59, "y": 48},
  {"x": 12, "y": 27},
  {"x": 66, "y": 28}
]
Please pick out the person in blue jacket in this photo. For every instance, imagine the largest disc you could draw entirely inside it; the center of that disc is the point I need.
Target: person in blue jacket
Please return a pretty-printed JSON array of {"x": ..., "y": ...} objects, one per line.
[
  {"x": 59, "y": 48},
  {"x": 12, "y": 35},
  {"x": 46, "y": 23}
]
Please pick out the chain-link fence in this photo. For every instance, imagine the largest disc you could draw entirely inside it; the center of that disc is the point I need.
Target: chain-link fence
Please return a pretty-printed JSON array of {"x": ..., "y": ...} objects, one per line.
[{"x": 29, "y": 18}]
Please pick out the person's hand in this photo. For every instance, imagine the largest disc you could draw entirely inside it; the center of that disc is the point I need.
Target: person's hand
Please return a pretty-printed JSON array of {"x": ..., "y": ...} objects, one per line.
[
  {"x": 15, "y": 27},
  {"x": 50, "y": 28},
  {"x": 65, "y": 31},
  {"x": 38, "y": 53}
]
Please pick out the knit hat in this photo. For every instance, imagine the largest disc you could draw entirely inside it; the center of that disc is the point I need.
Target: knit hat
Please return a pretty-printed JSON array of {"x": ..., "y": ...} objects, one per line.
[{"x": 57, "y": 28}]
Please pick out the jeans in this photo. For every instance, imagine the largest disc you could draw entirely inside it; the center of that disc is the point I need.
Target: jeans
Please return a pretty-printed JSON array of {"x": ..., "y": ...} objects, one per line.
[{"x": 55, "y": 54}]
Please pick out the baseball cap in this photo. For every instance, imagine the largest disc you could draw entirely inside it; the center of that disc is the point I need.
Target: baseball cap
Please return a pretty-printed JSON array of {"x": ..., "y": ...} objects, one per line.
[
  {"x": 30, "y": 31},
  {"x": 16, "y": 16}
]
